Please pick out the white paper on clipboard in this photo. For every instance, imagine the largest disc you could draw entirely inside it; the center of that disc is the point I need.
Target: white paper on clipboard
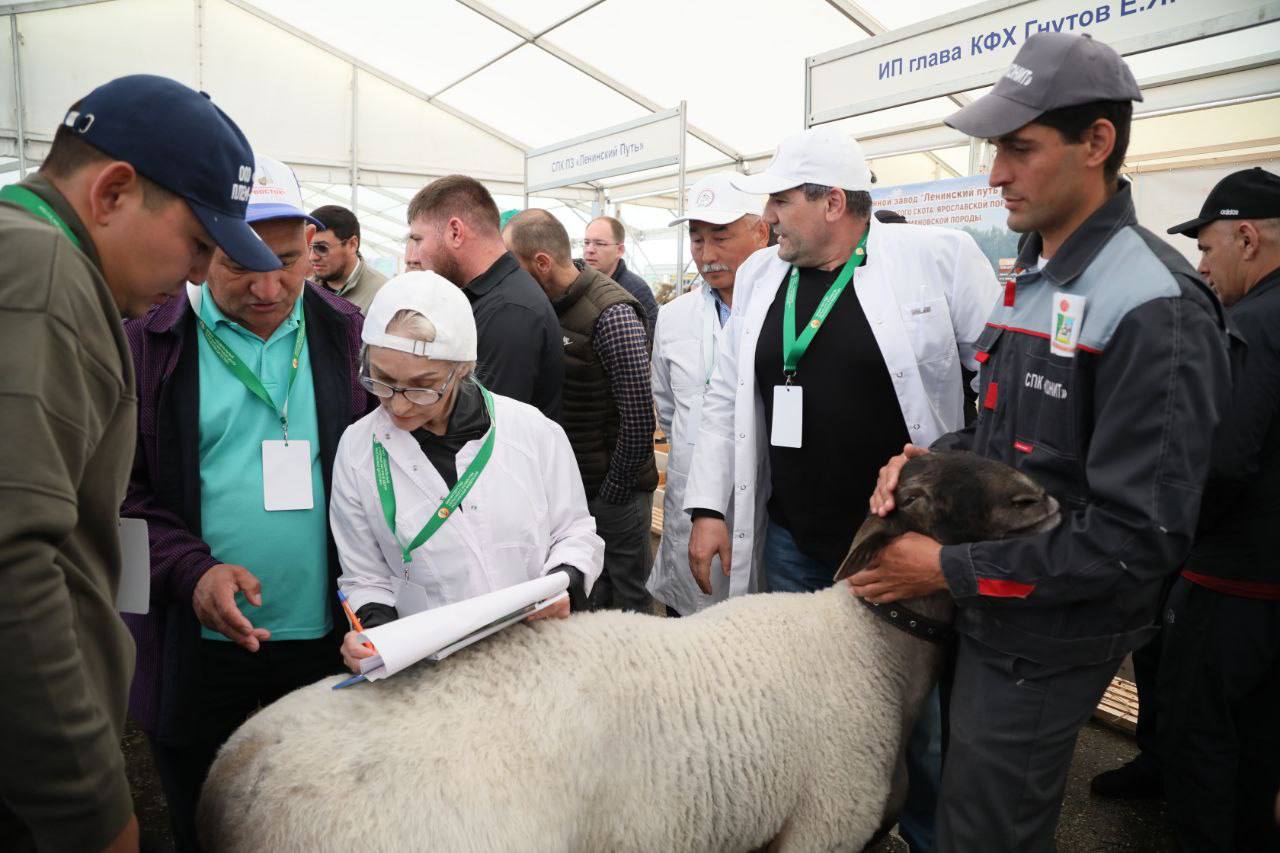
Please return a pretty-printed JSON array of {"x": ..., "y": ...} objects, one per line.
[{"x": 436, "y": 634}]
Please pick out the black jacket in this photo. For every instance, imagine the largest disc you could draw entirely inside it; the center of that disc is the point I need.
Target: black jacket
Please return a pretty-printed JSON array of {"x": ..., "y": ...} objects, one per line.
[
  {"x": 1119, "y": 432},
  {"x": 519, "y": 352},
  {"x": 1240, "y": 517}
]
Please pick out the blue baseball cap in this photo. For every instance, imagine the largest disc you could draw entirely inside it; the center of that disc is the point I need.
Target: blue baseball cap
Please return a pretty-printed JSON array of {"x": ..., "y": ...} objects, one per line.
[{"x": 179, "y": 139}]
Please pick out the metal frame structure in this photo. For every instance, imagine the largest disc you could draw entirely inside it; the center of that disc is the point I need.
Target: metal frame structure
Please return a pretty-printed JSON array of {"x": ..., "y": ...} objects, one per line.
[{"x": 680, "y": 112}]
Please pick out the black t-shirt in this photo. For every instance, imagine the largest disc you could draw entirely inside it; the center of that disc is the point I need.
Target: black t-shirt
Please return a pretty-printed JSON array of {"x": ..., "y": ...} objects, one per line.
[{"x": 852, "y": 422}]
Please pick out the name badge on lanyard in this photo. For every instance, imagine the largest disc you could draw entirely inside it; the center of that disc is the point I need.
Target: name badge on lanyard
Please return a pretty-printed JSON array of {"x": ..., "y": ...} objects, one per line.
[
  {"x": 788, "y": 399},
  {"x": 286, "y": 465}
]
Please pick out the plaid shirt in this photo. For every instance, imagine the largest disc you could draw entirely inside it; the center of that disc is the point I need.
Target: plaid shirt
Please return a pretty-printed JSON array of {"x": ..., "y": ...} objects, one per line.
[{"x": 621, "y": 344}]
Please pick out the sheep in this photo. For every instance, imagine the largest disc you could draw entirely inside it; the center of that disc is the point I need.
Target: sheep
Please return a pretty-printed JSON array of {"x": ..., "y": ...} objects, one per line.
[{"x": 768, "y": 720}]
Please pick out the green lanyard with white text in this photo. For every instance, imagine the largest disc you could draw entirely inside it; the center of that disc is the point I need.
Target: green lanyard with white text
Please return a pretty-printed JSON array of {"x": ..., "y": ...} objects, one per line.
[
  {"x": 793, "y": 347},
  {"x": 247, "y": 376},
  {"x": 33, "y": 204},
  {"x": 387, "y": 492}
]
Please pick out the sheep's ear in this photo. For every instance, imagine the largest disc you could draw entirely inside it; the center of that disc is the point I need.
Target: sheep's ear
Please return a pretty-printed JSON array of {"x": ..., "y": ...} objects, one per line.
[{"x": 874, "y": 534}]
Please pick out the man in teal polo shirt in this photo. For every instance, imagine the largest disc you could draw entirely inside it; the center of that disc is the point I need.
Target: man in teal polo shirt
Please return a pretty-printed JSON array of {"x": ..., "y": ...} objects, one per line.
[{"x": 245, "y": 387}]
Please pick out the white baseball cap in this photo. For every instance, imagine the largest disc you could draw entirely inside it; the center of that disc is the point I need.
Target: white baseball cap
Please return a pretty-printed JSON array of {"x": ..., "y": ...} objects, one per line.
[
  {"x": 819, "y": 155},
  {"x": 435, "y": 298},
  {"x": 714, "y": 199},
  {"x": 275, "y": 193}
]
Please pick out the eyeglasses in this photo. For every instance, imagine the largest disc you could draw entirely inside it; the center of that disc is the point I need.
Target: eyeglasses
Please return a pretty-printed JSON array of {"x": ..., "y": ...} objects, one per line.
[
  {"x": 322, "y": 249},
  {"x": 417, "y": 396},
  {"x": 597, "y": 244}
]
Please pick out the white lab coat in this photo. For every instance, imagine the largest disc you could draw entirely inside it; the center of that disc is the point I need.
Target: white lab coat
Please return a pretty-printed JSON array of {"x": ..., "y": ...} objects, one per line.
[
  {"x": 525, "y": 515},
  {"x": 683, "y": 356},
  {"x": 926, "y": 291}
]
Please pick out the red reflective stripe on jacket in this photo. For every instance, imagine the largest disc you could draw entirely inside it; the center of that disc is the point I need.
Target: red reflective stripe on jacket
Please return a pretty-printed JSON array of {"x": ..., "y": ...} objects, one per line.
[
  {"x": 1010, "y": 289},
  {"x": 1023, "y": 446},
  {"x": 1241, "y": 589},
  {"x": 993, "y": 394},
  {"x": 981, "y": 357},
  {"x": 1004, "y": 588}
]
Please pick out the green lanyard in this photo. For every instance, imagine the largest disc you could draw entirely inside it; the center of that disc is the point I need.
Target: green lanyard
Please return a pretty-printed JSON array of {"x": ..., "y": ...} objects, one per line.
[
  {"x": 793, "y": 348},
  {"x": 387, "y": 492},
  {"x": 247, "y": 377},
  {"x": 32, "y": 203}
]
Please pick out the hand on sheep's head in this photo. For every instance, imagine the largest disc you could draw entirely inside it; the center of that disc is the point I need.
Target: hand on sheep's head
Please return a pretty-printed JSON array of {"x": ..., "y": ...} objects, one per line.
[
  {"x": 214, "y": 601},
  {"x": 882, "y": 498},
  {"x": 939, "y": 499}
]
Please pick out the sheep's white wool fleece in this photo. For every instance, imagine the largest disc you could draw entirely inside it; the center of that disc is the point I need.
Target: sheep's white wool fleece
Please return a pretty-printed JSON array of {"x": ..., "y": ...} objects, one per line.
[{"x": 766, "y": 718}]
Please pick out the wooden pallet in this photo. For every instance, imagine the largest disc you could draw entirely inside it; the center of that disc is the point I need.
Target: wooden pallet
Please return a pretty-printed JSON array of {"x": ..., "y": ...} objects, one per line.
[{"x": 1119, "y": 706}]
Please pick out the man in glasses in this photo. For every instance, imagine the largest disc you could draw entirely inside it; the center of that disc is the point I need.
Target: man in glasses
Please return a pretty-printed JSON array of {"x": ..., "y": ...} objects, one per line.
[
  {"x": 602, "y": 250},
  {"x": 336, "y": 258},
  {"x": 245, "y": 385}
]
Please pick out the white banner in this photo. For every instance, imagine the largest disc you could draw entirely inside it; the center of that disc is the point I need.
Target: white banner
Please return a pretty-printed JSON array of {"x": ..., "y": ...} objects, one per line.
[
  {"x": 969, "y": 49},
  {"x": 646, "y": 143}
]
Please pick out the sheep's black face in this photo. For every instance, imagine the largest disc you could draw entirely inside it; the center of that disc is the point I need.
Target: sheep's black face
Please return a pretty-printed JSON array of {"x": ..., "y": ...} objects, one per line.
[
  {"x": 955, "y": 497},
  {"x": 962, "y": 497}
]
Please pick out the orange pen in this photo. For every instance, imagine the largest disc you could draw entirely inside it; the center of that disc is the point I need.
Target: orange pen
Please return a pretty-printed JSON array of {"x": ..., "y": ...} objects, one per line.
[{"x": 353, "y": 618}]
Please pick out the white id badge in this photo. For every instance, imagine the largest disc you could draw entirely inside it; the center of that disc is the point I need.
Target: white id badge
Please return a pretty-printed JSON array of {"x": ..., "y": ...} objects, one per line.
[
  {"x": 788, "y": 412},
  {"x": 134, "y": 594},
  {"x": 1068, "y": 317},
  {"x": 411, "y": 598},
  {"x": 286, "y": 475}
]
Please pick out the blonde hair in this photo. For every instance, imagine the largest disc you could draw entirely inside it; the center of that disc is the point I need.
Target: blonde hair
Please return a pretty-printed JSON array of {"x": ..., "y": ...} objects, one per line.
[
  {"x": 410, "y": 324},
  {"x": 407, "y": 323}
]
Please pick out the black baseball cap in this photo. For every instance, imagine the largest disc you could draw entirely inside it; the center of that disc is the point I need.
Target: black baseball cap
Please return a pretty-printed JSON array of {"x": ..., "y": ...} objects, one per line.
[
  {"x": 1247, "y": 194},
  {"x": 1051, "y": 71},
  {"x": 178, "y": 138}
]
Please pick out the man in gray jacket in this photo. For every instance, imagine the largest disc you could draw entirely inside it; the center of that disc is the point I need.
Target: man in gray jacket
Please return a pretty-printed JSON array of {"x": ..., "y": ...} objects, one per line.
[{"x": 1104, "y": 371}]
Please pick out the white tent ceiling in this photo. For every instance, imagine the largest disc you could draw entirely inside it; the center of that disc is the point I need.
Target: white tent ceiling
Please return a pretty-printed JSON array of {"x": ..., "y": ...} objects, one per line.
[{"x": 388, "y": 95}]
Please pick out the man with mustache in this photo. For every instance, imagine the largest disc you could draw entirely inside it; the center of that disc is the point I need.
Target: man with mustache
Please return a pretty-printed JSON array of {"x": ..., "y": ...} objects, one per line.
[
  {"x": 846, "y": 341},
  {"x": 725, "y": 228},
  {"x": 245, "y": 385}
]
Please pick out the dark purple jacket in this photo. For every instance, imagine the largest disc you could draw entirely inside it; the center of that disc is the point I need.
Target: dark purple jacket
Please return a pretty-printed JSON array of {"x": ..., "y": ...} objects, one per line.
[{"x": 164, "y": 488}]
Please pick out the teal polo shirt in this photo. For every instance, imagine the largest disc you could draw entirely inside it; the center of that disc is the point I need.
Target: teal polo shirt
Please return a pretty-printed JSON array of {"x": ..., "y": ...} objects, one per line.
[{"x": 286, "y": 550}]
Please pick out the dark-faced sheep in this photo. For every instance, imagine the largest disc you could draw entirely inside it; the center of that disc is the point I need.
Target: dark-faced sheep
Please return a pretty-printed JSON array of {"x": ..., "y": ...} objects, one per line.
[{"x": 765, "y": 721}]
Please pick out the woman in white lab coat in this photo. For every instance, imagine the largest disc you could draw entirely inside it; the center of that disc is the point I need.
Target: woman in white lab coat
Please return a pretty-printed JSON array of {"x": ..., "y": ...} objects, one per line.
[{"x": 483, "y": 491}]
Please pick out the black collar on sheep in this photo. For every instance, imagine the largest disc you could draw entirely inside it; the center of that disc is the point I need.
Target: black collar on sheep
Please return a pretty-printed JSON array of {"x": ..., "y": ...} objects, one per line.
[{"x": 953, "y": 497}]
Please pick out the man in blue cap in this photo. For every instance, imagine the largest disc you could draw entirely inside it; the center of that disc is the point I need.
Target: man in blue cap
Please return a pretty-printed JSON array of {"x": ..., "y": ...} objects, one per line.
[
  {"x": 144, "y": 178},
  {"x": 245, "y": 385}
]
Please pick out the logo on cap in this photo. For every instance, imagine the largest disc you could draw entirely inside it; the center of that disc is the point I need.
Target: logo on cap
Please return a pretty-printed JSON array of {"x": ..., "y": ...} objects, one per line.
[
  {"x": 73, "y": 121},
  {"x": 1018, "y": 74},
  {"x": 705, "y": 198},
  {"x": 240, "y": 190},
  {"x": 1230, "y": 211}
]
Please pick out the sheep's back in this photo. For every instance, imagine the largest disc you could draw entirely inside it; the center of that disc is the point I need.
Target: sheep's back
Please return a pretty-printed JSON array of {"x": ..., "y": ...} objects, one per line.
[{"x": 571, "y": 734}]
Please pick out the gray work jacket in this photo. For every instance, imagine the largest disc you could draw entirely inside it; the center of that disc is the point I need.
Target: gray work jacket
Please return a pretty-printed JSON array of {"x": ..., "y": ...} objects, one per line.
[{"x": 1103, "y": 376}]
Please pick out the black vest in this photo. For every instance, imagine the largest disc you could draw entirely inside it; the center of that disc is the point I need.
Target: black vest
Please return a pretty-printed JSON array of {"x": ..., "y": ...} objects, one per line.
[{"x": 590, "y": 415}]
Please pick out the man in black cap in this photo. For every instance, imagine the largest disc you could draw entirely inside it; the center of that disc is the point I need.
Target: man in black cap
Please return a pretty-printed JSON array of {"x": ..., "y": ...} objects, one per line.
[
  {"x": 143, "y": 178},
  {"x": 1104, "y": 351},
  {"x": 1220, "y": 671}
]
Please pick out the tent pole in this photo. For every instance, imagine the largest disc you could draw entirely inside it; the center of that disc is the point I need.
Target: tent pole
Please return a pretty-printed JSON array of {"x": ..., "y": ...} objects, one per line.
[
  {"x": 355, "y": 119},
  {"x": 19, "y": 106},
  {"x": 679, "y": 282}
]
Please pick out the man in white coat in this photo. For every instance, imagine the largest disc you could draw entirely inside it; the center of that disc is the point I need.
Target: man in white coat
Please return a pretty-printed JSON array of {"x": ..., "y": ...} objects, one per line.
[
  {"x": 725, "y": 228},
  {"x": 810, "y": 388}
]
